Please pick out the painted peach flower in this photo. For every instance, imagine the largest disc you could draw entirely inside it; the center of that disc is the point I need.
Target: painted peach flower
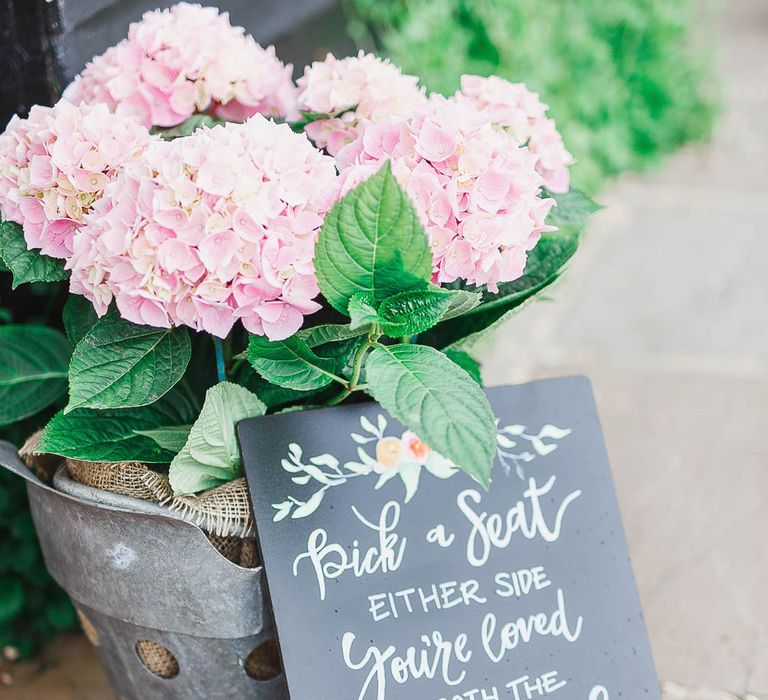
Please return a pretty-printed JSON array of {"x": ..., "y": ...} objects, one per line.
[
  {"x": 402, "y": 457},
  {"x": 388, "y": 452}
]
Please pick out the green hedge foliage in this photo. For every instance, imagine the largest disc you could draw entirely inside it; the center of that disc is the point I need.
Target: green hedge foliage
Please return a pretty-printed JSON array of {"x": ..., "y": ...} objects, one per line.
[
  {"x": 32, "y": 606},
  {"x": 625, "y": 79}
]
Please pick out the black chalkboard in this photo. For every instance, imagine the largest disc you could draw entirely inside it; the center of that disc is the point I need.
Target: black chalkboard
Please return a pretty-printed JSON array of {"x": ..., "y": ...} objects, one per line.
[{"x": 393, "y": 576}]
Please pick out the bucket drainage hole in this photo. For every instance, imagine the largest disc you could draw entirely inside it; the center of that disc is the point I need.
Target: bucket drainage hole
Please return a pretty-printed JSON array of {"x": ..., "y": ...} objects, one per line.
[
  {"x": 157, "y": 659},
  {"x": 263, "y": 663}
]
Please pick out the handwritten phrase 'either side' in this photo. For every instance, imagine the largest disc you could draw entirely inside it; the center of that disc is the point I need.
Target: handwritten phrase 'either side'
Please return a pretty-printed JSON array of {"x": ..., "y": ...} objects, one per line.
[{"x": 381, "y": 549}]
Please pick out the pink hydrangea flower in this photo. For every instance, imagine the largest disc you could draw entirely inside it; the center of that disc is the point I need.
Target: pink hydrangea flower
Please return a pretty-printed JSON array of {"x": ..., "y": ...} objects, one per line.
[
  {"x": 211, "y": 228},
  {"x": 476, "y": 190},
  {"x": 520, "y": 112},
  {"x": 184, "y": 60},
  {"x": 54, "y": 166},
  {"x": 364, "y": 88}
]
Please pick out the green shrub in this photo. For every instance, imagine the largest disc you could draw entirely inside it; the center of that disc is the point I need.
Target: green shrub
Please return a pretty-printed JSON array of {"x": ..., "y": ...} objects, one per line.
[
  {"x": 32, "y": 606},
  {"x": 624, "y": 80}
]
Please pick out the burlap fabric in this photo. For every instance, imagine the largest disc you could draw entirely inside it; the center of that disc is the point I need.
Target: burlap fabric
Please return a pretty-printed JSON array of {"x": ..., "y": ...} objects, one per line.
[
  {"x": 223, "y": 513},
  {"x": 157, "y": 659},
  {"x": 124, "y": 478}
]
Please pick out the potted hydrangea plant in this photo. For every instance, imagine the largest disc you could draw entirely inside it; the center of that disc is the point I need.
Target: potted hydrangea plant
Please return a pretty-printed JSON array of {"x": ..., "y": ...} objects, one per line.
[{"x": 235, "y": 244}]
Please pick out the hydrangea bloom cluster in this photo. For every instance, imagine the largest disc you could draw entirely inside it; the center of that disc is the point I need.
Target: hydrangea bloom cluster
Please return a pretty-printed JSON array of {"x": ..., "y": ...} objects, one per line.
[
  {"x": 211, "y": 228},
  {"x": 55, "y": 165},
  {"x": 184, "y": 60},
  {"x": 358, "y": 89},
  {"x": 477, "y": 191},
  {"x": 520, "y": 112}
]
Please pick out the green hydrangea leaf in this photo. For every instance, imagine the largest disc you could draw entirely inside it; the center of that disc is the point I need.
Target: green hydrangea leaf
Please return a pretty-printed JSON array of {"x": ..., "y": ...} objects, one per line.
[
  {"x": 410, "y": 312},
  {"x": 546, "y": 263},
  {"x": 439, "y": 401},
  {"x": 290, "y": 363},
  {"x": 414, "y": 311},
  {"x": 462, "y": 302},
  {"x": 372, "y": 241},
  {"x": 466, "y": 362},
  {"x": 33, "y": 370},
  {"x": 27, "y": 265},
  {"x": 78, "y": 317},
  {"x": 119, "y": 364},
  {"x": 328, "y": 333},
  {"x": 270, "y": 394},
  {"x": 116, "y": 435},
  {"x": 362, "y": 310},
  {"x": 573, "y": 208},
  {"x": 211, "y": 456},
  {"x": 171, "y": 438}
]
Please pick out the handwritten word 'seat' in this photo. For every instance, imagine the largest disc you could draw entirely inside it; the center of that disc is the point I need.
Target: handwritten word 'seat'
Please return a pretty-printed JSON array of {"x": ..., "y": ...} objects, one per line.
[{"x": 527, "y": 517}]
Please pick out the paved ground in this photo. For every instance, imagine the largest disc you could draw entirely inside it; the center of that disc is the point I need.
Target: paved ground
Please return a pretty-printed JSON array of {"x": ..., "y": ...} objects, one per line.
[{"x": 665, "y": 310}]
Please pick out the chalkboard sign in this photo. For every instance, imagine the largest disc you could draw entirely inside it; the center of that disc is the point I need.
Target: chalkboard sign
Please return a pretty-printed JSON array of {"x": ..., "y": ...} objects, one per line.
[{"x": 394, "y": 576}]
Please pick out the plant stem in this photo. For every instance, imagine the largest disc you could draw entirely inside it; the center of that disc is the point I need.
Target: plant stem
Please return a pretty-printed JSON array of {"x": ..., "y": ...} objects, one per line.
[
  {"x": 236, "y": 365},
  {"x": 221, "y": 366},
  {"x": 357, "y": 368},
  {"x": 357, "y": 365}
]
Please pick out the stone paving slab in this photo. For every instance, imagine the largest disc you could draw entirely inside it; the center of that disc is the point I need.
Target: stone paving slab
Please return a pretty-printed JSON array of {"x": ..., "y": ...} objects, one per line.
[
  {"x": 664, "y": 308},
  {"x": 677, "y": 692}
]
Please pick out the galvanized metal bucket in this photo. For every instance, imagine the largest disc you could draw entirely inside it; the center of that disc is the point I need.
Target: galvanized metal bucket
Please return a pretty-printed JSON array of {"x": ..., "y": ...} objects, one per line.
[{"x": 169, "y": 616}]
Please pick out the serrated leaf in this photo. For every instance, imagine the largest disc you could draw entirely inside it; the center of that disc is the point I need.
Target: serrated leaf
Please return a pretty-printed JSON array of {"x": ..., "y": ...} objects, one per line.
[
  {"x": 270, "y": 394},
  {"x": 410, "y": 312},
  {"x": 274, "y": 396},
  {"x": 462, "y": 302},
  {"x": 439, "y": 401},
  {"x": 328, "y": 333},
  {"x": 467, "y": 363},
  {"x": 78, "y": 317},
  {"x": 415, "y": 311},
  {"x": 172, "y": 438},
  {"x": 119, "y": 364},
  {"x": 362, "y": 310},
  {"x": 290, "y": 363},
  {"x": 372, "y": 241},
  {"x": 114, "y": 436},
  {"x": 545, "y": 264},
  {"x": 210, "y": 456},
  {"x": 33, "y": 370},
  {"x": 27, "y": 265},
  {"x": 573, "y": 208}
]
